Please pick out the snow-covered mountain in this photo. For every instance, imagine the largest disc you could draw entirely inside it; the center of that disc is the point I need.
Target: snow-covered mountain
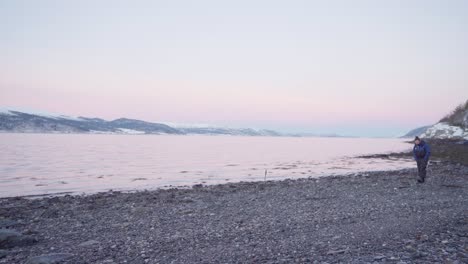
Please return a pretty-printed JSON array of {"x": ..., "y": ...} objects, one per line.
[
  {"x": 443, "y": 130},
  {"x": 452, "y": 126},
  {"x": 29, "y": 121},
  {"x": 213, "y": 130}
]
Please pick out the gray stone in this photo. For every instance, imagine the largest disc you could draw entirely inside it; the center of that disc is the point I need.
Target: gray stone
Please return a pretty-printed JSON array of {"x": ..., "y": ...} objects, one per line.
[
  {"x": 3, "y": 253},
  {"x": 8, "y": 233},
  {"x": 89, "y": 243},
  {"x": 6, "y": 223},
  {"x": 417, "y": 255},
  {"x": 335, "y": 252},
  {"x": 49, "y": 258},
  {"x": 11, "y": 238}
]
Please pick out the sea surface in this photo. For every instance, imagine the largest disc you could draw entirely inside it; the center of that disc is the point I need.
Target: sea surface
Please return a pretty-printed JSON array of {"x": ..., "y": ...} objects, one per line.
[{"x": 45, "y": 164}]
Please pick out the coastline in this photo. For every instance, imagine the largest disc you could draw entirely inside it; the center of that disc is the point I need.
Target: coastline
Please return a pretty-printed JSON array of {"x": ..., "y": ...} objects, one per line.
[
  {"x": 447, "y": 150},
  {"x": 370, "y": 217},
  {"x": 386, "y": 217}
]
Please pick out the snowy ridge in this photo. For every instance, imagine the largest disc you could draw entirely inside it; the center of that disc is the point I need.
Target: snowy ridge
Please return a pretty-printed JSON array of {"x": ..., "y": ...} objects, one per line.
[
  {"x": 444, "y": 130},
  {"x": 17, "y": 120},
  {"x": 452, "y": 126},
  {"x": 210, "y": 129},
  {"x": 131, "y": 131},
  {"x": 14, "y": 110},
  {"x": 188, "y": 125}
]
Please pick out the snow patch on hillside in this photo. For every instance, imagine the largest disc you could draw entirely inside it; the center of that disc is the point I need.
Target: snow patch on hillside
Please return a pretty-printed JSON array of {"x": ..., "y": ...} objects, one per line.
[
  {"x": 101, "y": 132},
  {"x": 445, "y": 131},
  {"x": 194, "y": 125},
  {"x": 132, "y": 131},
  {"x": 12, "y": 110}
]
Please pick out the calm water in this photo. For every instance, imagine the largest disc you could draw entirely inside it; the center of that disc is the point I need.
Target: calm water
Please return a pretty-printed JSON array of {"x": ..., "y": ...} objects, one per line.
[{"x": 33, "y": 164}]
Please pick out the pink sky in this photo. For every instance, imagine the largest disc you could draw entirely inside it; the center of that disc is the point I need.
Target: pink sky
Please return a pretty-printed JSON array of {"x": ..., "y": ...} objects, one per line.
[{"x": 297, "y": 66}]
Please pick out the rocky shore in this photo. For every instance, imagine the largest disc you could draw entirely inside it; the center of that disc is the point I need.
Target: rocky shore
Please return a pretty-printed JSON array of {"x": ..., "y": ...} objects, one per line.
[{"x": 364, "y": 218}]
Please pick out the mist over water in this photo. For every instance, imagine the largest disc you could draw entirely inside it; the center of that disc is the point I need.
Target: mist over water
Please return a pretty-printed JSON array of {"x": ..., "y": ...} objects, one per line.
[{"x": 34, "y": 164}]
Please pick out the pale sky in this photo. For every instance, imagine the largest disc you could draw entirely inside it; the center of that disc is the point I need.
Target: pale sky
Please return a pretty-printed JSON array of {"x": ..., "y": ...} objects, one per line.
[{"x": 361, "y": 68}]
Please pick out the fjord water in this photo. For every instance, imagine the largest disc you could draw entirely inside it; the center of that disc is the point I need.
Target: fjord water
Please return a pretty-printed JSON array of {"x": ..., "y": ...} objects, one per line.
[{"x": 36, "y": 164}]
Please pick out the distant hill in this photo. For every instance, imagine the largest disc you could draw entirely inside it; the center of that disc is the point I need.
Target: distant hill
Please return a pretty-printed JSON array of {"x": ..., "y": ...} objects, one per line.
[
  {"x": 416, "y": 132},
  {"x": 20, "y": 121},
  {"x": 27, "y": 121},
  {"x": 210, "y": 130},
  {"x": 454, "y": 125}
]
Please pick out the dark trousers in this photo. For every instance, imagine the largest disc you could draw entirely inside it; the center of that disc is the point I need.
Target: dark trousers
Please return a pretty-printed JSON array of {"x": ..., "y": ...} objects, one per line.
[{"x": 422, "y": 165}]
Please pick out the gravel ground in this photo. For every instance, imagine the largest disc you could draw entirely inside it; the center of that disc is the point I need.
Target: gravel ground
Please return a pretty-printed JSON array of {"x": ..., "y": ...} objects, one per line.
[{"x": 365, "y": 218}]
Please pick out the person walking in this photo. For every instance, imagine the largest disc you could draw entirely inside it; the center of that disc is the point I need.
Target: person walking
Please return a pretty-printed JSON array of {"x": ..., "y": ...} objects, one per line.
[{"x": 421, "y": 154}]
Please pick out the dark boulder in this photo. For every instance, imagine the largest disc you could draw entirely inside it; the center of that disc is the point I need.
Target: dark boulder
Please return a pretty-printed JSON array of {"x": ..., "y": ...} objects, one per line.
[
  {"x": 3, "y": 253},
  {"x": 7, "y": 223},
  {"x": 11, "y": 238}
]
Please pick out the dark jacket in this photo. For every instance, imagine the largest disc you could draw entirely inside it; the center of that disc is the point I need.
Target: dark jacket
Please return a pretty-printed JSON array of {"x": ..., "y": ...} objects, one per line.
[{"x": 421, "y": 151}]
